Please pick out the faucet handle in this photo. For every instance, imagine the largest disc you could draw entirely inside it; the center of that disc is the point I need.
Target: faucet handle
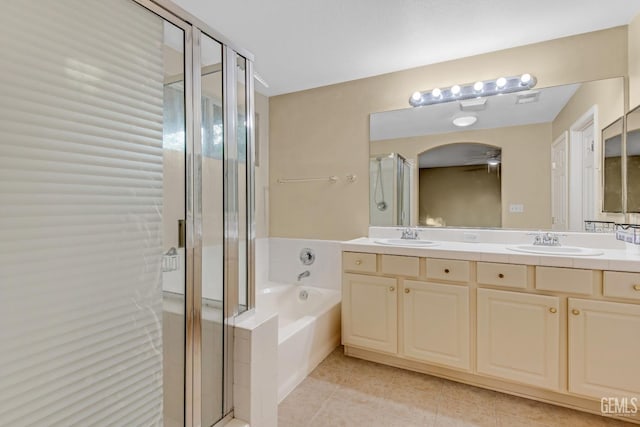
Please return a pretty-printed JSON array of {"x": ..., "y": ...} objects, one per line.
[{"x": 538, "y": 237}]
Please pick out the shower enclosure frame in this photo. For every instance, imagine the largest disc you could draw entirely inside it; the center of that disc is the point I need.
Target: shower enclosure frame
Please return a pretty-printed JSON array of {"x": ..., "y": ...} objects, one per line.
[
  {"x": 193, "y": 29},
  {"x": 400, "y": 189}
]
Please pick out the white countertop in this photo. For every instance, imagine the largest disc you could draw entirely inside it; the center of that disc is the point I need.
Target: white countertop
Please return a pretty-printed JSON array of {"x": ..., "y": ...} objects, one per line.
[{"x": 611, "y": 259}]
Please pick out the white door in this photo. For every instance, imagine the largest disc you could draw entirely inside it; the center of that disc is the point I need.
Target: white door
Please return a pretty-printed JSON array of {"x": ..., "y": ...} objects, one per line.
[
  {"x": 436, "y": 323},
  {"x": 604, "y": 348},
  {"x": 369, "y": 312},
  {"x": 519, "y": 337},
  {"x": 559, "y": 183}
]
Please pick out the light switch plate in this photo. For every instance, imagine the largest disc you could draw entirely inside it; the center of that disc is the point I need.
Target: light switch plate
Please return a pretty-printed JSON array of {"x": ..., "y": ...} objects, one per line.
[{"x": 516, "y": 208}]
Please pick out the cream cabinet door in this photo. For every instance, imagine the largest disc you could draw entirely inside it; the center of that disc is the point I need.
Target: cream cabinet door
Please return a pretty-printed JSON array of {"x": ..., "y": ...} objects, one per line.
[
  {"x": 519, "y": 337},
  {"x": 604, "y": 348},
  {"x": 436, "y": 323},
  {"x": 369, "y": 312}
]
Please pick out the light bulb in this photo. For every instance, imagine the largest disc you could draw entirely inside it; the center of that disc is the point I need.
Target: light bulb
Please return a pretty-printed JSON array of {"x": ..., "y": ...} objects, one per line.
[
  {"x": 416, "y": 96},
  {"x": 478, "y": 86},
  {"x": 493, "y": 162},
  {"x": 501, "y": 82},
  {"x": 525, "y": 79},
  {"x": 455, "y": 89},
  {"x": 436, "y": 93}
]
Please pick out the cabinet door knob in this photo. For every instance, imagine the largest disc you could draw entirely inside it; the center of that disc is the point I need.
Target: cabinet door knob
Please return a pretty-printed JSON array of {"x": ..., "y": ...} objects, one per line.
[
  {"x": 636, "y": 287},
  {"x": 553, "y": 310},
  {"x": 575, "y": 311},
  {"x": 501, "y": 276},
  {"x": 446, "y": 270},
  {"x": 358, "y": 262},
  {"x": 407, "y": 290},
  {"x": 391, "y": 288}
]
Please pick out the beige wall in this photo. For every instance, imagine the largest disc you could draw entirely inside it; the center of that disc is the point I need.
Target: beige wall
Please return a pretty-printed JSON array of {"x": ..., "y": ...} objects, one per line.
[
  {"x": 466, "y": 196},
  {"x": 526, "y": 173},
  {"x": 633, "y": 197},
  {"x": 613, "y": 184},
  {"x": 325, "y": 131},
  {"x": 608, "y": 95}
]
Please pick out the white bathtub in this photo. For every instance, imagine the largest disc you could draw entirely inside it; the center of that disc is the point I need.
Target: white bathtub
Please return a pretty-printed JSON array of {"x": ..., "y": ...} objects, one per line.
[{"x": 308, "y": 330}]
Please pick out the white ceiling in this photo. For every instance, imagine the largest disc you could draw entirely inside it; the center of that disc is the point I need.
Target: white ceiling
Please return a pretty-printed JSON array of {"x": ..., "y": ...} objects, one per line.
[
  {"x": 301, "y": 44},
  {"x": 461, "y": 154}
]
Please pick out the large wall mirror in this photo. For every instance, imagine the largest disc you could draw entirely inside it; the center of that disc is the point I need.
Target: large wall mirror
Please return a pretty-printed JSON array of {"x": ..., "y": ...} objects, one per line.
[
  {"x": 532, "y": 159},
  {"x": 612, "y": 166},
  {"x": 633, "y": 161}
]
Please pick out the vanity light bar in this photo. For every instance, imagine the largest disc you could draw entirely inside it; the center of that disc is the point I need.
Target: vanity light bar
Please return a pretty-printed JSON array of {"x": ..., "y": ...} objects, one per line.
[{"x": 473, "y": 90}]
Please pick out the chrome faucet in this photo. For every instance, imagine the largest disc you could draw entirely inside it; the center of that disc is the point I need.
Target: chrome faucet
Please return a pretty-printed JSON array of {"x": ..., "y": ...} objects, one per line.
[
  {"x": 305, "y": 273},
  {"x": 409, "y": 233},
  {"x": 546, "y": 239}
]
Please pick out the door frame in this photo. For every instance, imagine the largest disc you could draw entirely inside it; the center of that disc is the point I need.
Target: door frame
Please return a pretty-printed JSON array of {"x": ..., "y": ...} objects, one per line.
[{"x": 576, "y": 170}]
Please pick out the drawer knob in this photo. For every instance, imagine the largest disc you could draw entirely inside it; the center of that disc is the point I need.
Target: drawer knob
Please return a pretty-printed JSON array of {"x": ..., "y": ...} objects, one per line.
[
  {"x": 358, "y": 262},
  {"x": 501, "y": 276},
  {"x": 446, "y": 270},
  {"x": 391, "y": 288},
  {"x": 407, "y": 290},
  {"x": 575, "y": 311},
  {"x": 553, "y": 310},
  {"x": 636, "y": 287}
]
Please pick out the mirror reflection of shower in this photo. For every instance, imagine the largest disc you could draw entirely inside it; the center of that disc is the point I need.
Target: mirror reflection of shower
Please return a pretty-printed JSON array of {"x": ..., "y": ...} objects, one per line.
[
  {"x": 381, "y": 204},
  {"x": 390, "y": 180}
]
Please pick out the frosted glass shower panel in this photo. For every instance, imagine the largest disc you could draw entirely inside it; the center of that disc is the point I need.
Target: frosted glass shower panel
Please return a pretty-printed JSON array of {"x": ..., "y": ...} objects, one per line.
[{"x": 81, "y": 192}]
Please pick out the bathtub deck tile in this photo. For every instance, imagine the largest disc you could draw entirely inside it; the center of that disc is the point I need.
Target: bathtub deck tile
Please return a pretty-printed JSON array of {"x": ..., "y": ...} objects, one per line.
[{"x": 345, "y": 391}]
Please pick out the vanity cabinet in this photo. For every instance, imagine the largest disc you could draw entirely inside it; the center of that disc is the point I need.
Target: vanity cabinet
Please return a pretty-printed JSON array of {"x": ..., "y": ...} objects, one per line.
[
  {"x": 436, "y": 323},
  {"x": 519, "y": 337},
  {"x": 556, "y": 334},
  {"x": 604, "y": 348},
  {"x": 370, "y": 312}
]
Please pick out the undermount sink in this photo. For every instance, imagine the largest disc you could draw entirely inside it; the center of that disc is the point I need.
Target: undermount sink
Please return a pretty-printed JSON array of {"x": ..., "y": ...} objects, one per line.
[
  {"x": 406, "y": 242},
  {"x": 556, "y": 250}
]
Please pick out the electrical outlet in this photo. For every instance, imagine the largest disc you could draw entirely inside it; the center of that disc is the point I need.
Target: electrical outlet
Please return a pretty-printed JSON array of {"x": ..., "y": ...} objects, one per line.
[
  {"x": 516, "y": 208},
  {"x": 470, "y": 237}
]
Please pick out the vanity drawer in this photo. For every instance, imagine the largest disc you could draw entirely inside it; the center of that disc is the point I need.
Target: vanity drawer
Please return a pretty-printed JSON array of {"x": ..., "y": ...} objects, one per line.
[
  {"x": 396, "y": 265},
  {"x": 359, "y": 261},
  {"x": 622, "y": 285},
  {"x": 566, "y": 280},
  {"x": 508, "y": 275},
  {"x": 448, "y": 269}
]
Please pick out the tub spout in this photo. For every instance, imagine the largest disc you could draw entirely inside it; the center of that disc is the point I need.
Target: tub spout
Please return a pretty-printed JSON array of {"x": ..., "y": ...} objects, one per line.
[{"x": 305, "y": 273}]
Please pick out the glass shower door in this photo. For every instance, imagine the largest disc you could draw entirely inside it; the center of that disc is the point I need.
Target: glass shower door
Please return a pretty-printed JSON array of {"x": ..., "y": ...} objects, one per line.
[
  {"x": 120, "y": 261},
  {"x": 91, "y": 269}
]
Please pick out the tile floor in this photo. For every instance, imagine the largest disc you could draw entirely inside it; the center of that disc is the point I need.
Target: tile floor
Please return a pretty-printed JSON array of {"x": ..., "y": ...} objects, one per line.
[{"x": 344, "y": 391}]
